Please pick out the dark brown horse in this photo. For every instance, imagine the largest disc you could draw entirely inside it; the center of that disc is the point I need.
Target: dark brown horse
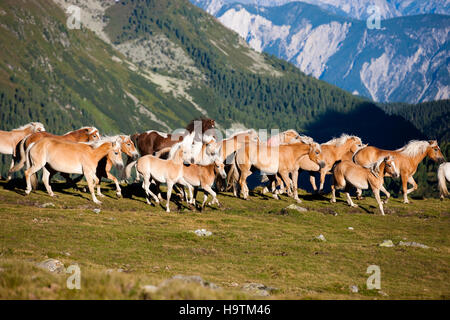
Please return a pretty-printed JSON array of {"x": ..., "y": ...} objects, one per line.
[{"x": 153, "y": 141}]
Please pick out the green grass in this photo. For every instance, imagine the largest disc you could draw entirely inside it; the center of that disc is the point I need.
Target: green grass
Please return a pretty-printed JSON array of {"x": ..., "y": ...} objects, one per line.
[{"x": 252, "y": 241}]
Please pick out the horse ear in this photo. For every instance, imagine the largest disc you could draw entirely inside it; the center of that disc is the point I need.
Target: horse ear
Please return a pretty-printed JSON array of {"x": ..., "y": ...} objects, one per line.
[{"x": 433, "y": 143}]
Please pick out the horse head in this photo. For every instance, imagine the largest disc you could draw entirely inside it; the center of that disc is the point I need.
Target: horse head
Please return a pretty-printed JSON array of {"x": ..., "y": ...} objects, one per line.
[
  {"x": 128, "y": 147},
  {"x": 115, "y": 154},
  {"x": 390, "y": 167},
  {"x": 316, "y": 155},
  {"x": 219, "y": 168},
  {"x": 434, "y": 152}
]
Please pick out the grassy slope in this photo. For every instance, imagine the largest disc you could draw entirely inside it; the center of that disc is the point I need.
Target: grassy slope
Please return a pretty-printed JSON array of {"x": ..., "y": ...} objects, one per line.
[
  {"x": 50, "y": 67},
  {"x": 247, "y": 245}
]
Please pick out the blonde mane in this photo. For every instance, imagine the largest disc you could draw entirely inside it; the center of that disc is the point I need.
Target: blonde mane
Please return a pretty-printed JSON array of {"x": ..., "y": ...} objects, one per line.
[
  {"x": 28, "y": 125},
  {"x": 341, "y": 140},
  {"x": 414, "y": 148},
  {"x": 97, "y": 143},
  {"x": 92, "y": 130}
]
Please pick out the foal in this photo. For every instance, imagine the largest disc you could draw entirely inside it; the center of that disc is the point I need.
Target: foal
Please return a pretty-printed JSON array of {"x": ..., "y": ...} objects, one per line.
[
  {"x": 347, "y": 174},
  {"x": 203, "y": 176},
  {"x": 53, "y": 155},
  {"x": 168, "y": 171}
]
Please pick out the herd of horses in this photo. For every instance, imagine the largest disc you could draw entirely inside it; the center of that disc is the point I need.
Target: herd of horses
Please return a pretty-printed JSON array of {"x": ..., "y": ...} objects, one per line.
[{"x": 194, "y": 158}]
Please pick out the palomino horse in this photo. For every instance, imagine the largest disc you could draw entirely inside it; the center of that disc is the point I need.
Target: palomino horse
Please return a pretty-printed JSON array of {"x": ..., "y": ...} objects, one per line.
[
  {"x": 282, "y": 160},
  {"x": 200, "y": 176},
  {"x": 10, "y": 139},
  {"x": 168, "y": 171},
  {"x": 153, "y": 141},
  {"x": 106, "y": 163},
  {"x": 406, "y": 159},
  {"x": 443, "y": 174},
  {"x": 56, "y": 155},
  {"x": 333, "y": 151},
  {"x": 228, "y": 146},
  {"x": 347, "y": 174},
  {"x": 84, "y": 134}
]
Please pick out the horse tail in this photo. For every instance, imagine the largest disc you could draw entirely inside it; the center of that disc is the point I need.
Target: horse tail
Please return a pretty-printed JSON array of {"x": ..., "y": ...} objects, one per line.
[
  {"x": 33, "y": 178},
  {"x": 163, "y": 152},
  {"x": 442, "y": 182},
  {"x": 126, "y": 172},
  {"x": 233, "y": 174},
  {"x": 334, "y": 165},
  {"x": 20, "y": 157}
]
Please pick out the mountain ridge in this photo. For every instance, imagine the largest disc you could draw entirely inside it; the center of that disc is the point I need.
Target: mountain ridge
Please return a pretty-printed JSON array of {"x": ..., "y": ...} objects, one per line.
[{"x": 379, "y": 64}]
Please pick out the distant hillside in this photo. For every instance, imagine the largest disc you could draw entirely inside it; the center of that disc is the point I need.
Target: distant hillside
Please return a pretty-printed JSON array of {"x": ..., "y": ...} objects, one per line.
[
  {"x": 405, "y": 60},
  {"x": 432, "y": 118}
]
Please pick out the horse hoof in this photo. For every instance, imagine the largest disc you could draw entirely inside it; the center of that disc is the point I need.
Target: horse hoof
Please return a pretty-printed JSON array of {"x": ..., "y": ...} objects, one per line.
[
  {"x": 119, "y": 195},
  {"x": 298, "y": 200}
]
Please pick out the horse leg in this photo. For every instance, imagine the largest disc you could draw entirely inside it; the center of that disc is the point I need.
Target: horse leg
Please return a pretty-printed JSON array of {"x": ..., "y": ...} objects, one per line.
[
  {"x": 388, "y": 195},
  {"x": 31, "y": 172},
  {"x": 46, "y": 180},
  {"x": 295, "y": 185},
  {"x": 333, "y": 191},
  {"x": 376, "y": 193},
  {"x": 146, "y": 187},
  {"x": 205, "y": 197},
  {"x": 413, "y": 183},
  {"x": 245, "y": 172},
  {"x": 169, "y": 193},
  {"x": 92, "y": 181},
  {"x": 359, "y": 194},
  {"x": 9, "y": 177},
  {"x": 287, "y": 181},
  {"x": 312, "y": 180},
  {"x": 213, "y": 194},
  {"x": 272, "y": 183},
  {"x": 349, "y": 199},
  {"x": 113, "y": 178},
  {"x": 323, "y": 173},
  {"x": 405, "y": 188}
]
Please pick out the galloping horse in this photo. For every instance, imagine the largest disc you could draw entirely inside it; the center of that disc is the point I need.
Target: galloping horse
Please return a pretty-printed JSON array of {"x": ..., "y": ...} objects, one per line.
[
  {"x": 200, "y": 176},
  {"x": 168, "y": 171},
  {"x": 153, "y": 141},
  {"x": 443, "y": 174},
  {"x": 84, "y": 134},
  {"x": 105, "y": 164},
  {"x": 282, "y": 160},
  {"x": 56, "y": 155},
  {"x": 406, "y": 159},
  {"x": 10, "y": 139},
  {"x": 347, "y": 174},
  {"x": 333, "y": 150}
]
